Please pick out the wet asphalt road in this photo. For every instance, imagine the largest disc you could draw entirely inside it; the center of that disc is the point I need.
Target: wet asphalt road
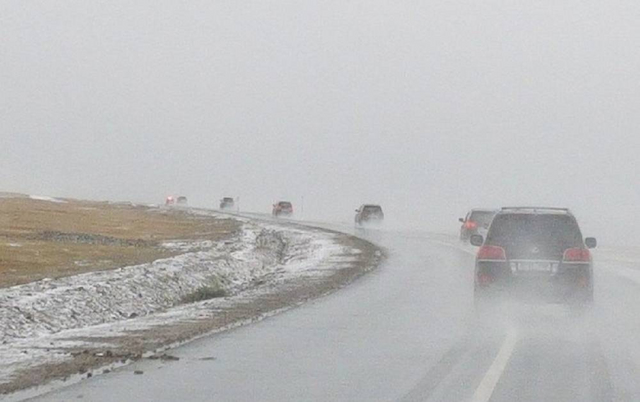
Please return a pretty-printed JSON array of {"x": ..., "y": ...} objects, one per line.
[{"x": 406, "y": 332}]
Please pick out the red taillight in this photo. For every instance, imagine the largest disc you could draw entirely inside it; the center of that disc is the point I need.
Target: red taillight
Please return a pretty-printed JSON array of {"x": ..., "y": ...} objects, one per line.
[
  {"x": 470, "y": 225},
  {"x": 577, "y": 255},
  {"x": 491, "y": 253}
]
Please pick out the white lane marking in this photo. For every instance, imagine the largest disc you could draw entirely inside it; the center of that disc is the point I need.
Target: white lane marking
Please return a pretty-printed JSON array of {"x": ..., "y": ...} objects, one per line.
[{"x": 488, "y": 384}]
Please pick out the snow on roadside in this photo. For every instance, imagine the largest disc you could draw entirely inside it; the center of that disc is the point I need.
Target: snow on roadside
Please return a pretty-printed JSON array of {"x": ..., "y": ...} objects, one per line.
[
  {"x": 40, "y": 319},
  {"x": 49, "y": 199}
]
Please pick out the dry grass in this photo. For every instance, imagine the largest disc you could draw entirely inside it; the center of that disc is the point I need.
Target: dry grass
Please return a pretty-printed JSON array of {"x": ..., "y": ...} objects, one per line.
[{"x": 39, "y": 239}]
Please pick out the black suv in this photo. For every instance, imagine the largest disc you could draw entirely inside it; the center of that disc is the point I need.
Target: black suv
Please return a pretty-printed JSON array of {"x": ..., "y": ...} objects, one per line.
[
  {"x": 182, "y": 200},
  {"x": 282, "y": 208},
  {"x": 227, "y": 203},
  {"x": 369, "y": 213},
  {"x": 534, "y": 253}
]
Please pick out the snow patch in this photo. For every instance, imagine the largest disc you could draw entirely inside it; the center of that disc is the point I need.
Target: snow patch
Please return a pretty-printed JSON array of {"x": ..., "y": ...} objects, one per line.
[
  {"x": 49, "y": 199},
  {"x": 41, "y": 319}
]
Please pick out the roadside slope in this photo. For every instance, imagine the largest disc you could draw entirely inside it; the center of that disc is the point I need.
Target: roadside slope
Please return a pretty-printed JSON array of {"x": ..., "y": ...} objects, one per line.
[{"x": 69, "y": 327}]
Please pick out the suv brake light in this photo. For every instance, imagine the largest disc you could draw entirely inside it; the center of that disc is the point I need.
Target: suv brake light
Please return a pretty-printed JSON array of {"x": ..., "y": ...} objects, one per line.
[
  {"x": 470, "y": 225},
  {"x": 577, "y": 255},
  {"x": 491, "y": 253}
]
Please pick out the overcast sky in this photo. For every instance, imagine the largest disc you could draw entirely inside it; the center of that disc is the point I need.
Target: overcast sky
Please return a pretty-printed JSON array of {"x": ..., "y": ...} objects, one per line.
[{"x": 427, "y": 107}]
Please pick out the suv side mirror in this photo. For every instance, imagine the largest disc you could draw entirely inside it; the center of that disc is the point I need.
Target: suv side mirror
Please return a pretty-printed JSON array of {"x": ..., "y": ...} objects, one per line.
[
  {"x": 591, "y": 242},
  {"x": 461, "y": 220},
  {"x": 476, "y": 240}
]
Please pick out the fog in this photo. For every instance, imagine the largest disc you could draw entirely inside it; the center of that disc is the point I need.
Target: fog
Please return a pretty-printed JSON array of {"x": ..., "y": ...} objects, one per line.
[{"x": 428, "y": 108}]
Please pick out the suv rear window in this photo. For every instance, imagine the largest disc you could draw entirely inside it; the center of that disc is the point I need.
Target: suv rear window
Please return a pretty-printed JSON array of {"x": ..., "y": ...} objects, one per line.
[
  {"x": 554, "y": 233},
  {"x": 372, "y": 209},
  {"x": 285, "y": 204},
  {"x": 482, "y": 218}
]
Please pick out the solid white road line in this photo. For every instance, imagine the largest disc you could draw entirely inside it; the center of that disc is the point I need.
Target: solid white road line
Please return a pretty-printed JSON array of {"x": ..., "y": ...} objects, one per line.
[{"x": 488, "y": 384}]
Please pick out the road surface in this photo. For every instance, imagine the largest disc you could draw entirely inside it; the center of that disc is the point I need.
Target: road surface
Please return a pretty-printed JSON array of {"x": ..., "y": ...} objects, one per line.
[{"x": 406, "y": 332}]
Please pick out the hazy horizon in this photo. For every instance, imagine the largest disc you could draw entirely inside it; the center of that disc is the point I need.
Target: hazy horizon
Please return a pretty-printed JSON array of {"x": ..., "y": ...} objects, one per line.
[{"x": 428, "y": 109}]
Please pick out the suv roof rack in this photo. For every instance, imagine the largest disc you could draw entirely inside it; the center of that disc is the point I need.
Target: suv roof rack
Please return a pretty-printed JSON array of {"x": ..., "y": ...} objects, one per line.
[{"x": 536, "y": 209}]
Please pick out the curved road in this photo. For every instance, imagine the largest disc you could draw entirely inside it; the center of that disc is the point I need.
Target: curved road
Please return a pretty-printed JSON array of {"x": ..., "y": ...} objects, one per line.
[{"x": 406, "y": 332}]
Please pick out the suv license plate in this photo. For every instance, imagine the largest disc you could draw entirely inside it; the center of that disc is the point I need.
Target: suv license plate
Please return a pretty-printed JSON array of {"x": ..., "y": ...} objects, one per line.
[{"x": 534, "y": 267}]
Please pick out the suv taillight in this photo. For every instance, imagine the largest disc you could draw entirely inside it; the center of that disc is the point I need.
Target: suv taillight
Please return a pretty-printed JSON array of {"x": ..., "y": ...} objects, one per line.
[
  {"x": 576, "y": 255},
  {"x": 491, "y": 253},
  {"x": 470, "y": 225}
]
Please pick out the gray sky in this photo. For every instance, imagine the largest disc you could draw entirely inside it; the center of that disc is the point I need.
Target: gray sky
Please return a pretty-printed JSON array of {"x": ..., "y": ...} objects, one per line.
[{"x": 426, "y": 107}]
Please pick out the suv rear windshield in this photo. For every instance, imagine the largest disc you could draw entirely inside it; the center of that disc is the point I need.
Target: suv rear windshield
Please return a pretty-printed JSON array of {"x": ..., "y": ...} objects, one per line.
[
  {"x": 372, "y": 209},
  {"x": 284, "y": 204},
  {"x": 552, "y": 234},
  {"x": 482, "y": 218}
]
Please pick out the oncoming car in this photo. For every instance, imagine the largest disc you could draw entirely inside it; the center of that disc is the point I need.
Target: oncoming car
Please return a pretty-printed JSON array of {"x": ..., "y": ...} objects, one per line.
[
  {"x": 282, "y": 208},
  {"x": 369, "y": 213},
  {"x": 477, "y": 221},
  {"x": 534, "y": 254}
]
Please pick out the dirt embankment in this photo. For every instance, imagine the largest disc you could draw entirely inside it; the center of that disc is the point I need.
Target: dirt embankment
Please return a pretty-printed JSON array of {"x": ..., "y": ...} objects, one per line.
[{"x": 51, "y": 238}]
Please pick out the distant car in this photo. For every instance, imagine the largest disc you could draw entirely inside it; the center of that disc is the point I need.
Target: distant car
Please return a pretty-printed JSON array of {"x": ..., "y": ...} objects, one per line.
[
  {"x": 369, "y": 213},
  {"x": 227, "y": 203},
  {"x": 182, "y": 200},
  {"x": 170, "y": 200},
  {"x": 477, "y": 221},
  {"x": 282, "y": 208},
  {"x": 534, "y": 253}
]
